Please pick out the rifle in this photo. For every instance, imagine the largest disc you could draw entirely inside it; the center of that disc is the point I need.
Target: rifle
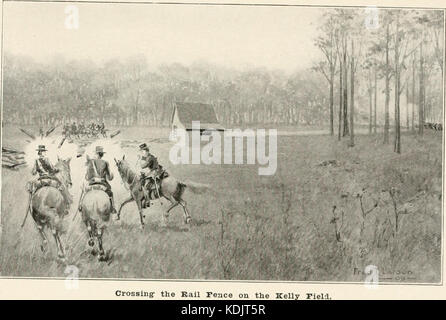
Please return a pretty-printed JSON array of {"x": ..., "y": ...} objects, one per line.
[{"x": 27, "y": 212}]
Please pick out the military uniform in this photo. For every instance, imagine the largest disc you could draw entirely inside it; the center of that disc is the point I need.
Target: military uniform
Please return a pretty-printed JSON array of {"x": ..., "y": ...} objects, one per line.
[
  {"x": 46, "y": 171},
  {"x": 98, "y": 173},
  {"x": 151, "y": 171},
  {"x": 44, "y": 168}
]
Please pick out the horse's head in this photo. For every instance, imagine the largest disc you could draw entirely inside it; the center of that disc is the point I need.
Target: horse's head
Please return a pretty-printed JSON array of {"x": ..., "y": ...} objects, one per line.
[
  {"x": 64, "y": 173},
  {"x": 120, "y": 163},
  {"x": 123, "y": 169}
]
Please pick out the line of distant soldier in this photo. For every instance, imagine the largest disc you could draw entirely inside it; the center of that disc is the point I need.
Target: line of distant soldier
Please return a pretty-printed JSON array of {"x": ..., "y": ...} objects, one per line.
[
  {"x": 93, "y": 130},
  {"x": 434, "y": 126}
]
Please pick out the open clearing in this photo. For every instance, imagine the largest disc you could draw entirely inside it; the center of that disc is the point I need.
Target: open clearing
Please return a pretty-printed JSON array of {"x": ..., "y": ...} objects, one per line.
[{"x": 250, "y": 227}]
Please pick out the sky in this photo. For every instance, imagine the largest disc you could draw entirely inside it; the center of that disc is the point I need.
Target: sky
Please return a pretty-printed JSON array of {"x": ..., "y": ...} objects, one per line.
[{"x": 230, "y": 36}]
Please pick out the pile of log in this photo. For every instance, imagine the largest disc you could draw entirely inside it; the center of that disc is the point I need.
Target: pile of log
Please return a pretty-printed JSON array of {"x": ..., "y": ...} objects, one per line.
[
  {"x": 114, "y": 134},
  {"x": 434, "y": 126},
  {"x": 12, "y": 159}
]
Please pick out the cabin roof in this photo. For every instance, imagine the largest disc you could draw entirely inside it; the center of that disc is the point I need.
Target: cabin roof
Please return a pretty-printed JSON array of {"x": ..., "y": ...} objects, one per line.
[{"x": 188, "y": 112}]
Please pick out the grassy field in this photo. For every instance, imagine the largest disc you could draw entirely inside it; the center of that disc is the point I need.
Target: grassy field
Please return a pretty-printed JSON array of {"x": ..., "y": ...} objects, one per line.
[{"x": 249, "y": 227}]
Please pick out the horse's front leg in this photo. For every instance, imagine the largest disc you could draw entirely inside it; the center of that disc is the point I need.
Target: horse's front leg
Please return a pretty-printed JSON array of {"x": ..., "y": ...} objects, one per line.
[
  {"x": 128, "y": 200},
  {"x": 141, "y": 216}
]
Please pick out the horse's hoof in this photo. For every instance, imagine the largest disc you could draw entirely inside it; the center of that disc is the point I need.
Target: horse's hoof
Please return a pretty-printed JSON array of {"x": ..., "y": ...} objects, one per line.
[
  {"x": 102, "y": 256},
  {"x": 91, "y": 242},
  {"x": 188, "y": 220}
]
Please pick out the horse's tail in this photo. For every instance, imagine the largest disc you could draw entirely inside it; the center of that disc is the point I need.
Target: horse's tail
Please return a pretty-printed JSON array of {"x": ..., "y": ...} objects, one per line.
[{"x": 196, "y": 187}]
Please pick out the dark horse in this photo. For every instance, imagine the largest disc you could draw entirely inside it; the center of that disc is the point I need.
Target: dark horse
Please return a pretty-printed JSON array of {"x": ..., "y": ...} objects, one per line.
[
  {"x": 49, "y": 206},
  {"x": 169, "y": 188}
]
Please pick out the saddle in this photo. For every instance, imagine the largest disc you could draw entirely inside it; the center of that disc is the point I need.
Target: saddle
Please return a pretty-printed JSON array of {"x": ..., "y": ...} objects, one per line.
[
  {"x": 45, "y": 181},
  {"x": 97, "y": 184},
  {"x": 96, "y": 187},
  {"x": 149, "y": 185}
]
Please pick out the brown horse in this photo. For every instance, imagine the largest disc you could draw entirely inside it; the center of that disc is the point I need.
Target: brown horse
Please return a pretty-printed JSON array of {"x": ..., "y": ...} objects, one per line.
[
  {"x": 170, "y": 188},
  {"x": 49, "y": 205},
  {"x": 96, "y": 210}
]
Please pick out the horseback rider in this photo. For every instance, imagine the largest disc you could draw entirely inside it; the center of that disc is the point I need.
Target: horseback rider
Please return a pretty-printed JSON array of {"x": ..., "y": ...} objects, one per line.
[
  {"x": 81, "y": 128},
  {"x": 98, "y": 172},
  {"x": 43, "y": 165},
  {"x": 151, "y": 172},
  {"x": 46, "y": 171},
  {"x": 66, "y": 130},
  {"x": 74, "y": 129},
  {"x": 102, "y": 129}
]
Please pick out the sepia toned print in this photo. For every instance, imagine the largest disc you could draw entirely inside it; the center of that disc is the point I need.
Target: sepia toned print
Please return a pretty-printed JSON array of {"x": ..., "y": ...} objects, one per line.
[{"x": 222, "y": 142}]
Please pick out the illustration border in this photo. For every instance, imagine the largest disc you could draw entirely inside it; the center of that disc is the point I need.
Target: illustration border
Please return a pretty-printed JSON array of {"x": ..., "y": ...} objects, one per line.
[{"x": 247, "y": 4}]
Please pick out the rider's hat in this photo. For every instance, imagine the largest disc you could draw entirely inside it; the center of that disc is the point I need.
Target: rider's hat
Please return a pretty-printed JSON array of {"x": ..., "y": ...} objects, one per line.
[
  {"x": 144, "y": 146},
  {"x": 100, "y": 149},
  {"x": 41, "y": 148}
]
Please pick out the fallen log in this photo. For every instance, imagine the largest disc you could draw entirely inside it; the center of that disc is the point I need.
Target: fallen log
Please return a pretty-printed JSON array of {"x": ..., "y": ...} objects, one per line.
[
  {"x": 61, "y": 143},
  {"x": 28, "y": 134},
  {"x": 11, "y": 150},
  {"x": 115, "y": 134},
  {"x": 49, "y": 131},
  {"x": 12, "y": 165},
  {"x": 11, "y": 158}
]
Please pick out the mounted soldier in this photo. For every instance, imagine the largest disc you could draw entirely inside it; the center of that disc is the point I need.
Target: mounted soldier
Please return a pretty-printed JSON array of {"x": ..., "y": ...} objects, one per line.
[
  {"x": 74, "y": 129},
  {"x": 47, "y": 176},
  {"x": 66, "y": 130},
  {"x": 102, "y": 129},
  {"x": 99, "y": 174},
  {"x": 81, "y": 128},
  {"x": 50, "y": 199},
  {"x": 151, "y": 174}
]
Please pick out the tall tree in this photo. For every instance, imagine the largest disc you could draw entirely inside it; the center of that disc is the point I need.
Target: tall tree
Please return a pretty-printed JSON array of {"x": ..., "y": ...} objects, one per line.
[{"x": 326, "y": 43}]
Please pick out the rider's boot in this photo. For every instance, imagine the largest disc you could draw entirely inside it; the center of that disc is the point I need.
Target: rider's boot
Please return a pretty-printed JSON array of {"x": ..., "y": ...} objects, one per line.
[
  {"x": 147, "y": 193},
  {"x": 113, "y": 209}
]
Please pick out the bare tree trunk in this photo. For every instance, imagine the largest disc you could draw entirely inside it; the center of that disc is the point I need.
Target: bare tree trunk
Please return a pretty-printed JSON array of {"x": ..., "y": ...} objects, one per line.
[
  {"x": 375, "y": 101},
  {"x": 331, "y": 102},
  {"x": 341, "y": 103},
  {"x": 421, "y": 94},
  {"x": 397, "y": 147},
  {"x": 370, "y": 103},
  {"x": 407, "y": 106},
  {"x": 413, "y": 92},
  {"x": 345, "y": 99},
  {"x": 352, "y": 98},
  {"x": 386, "y": 111}
]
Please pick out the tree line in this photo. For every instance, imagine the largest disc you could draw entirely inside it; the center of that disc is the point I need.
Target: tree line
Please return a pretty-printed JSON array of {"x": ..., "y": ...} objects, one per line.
[
  {"x": 370, "y": 63},
  {"x": 131, "y": 92},
  {"x": 386, "y": 52}
]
